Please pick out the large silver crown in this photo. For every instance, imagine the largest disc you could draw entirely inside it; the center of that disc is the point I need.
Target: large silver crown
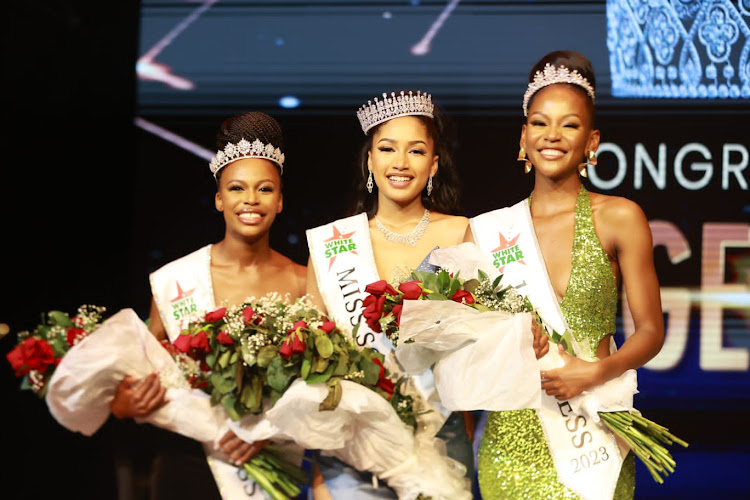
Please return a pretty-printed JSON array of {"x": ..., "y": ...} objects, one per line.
[
  {"x": 403, "y": 104},
  {"x": 246, "y": 149},
  {"x": 551, "y": 75}
]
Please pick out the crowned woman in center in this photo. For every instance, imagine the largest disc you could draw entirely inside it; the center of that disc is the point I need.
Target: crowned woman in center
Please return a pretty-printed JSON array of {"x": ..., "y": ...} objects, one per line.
[{"x": 407, "y": 204}]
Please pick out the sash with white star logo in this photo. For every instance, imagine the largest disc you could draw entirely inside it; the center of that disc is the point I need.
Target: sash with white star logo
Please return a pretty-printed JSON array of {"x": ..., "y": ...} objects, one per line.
[
  {"x": 585, "y": 453},
  {"x": 183, "y": 289},
  {"x": 341, "y": 254}
]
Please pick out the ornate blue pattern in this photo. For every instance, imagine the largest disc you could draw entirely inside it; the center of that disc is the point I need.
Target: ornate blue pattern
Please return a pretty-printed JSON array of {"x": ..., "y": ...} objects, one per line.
[{"x": 679, "y": 48}]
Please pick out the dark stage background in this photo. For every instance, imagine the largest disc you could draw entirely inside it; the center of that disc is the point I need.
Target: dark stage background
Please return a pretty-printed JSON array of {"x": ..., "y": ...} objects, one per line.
[{"x": 112, "y": 109}]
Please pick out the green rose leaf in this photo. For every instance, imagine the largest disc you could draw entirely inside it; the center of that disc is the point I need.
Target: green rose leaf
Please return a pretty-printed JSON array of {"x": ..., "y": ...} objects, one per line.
[
  {"x": 60, "y": 318},
  {"x": 305, "y": 368},
  {"x": 334, "y": 396},
  {"x": 324, "y": 345},
  {"x": 252, "y": 394},
  {"x": 224, "y": 359},
  {"x": 279, "y": 377},
  {"x": 342, "y": 365},
  {"x": 266, "y": 354},
  {"x": 319, "y": 365},
  {"x": 318, "y": 378},
  {"x": 371, "y": 371},
  {"x": 229, "y": 403}
]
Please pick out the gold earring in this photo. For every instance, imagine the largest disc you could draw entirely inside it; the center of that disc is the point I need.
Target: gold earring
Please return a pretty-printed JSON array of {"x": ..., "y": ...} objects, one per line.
[
  {"x": 522, "y": 157},
  {"x": 590, "y": 160}
]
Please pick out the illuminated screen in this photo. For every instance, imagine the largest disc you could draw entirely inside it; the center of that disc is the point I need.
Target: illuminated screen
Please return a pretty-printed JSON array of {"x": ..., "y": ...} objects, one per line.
[
  {"x": 216, "y": 55},
  {"x": 673, "y": 88}
]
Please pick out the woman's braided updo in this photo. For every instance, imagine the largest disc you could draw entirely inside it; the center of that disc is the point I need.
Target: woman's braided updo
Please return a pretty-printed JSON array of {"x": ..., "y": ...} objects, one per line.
[{"x": 250, "y": 126}]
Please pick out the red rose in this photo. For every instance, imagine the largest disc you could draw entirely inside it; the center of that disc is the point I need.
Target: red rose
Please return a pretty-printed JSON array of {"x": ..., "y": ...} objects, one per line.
[
  {"x": 285, "y": 351},
  {"x": 31, "y": 354},
  {"x": 199, "y": 342},
  {"x": 411, "y": 290},
  {"x": 197, "y": 383},
  {"x": 169, "y": 346},
  {"x": 397, "y": 313},
  {"x": 463, "y": 296},
  {"x": 373, "y": 311},
  {"x": 379, "y": 288},
  {"x": 328, "y": 326},
  {"x": 294, "y": 343},
  {"x": 224, "y": 338},
  {"x": 216, "y": 315},
  {"x": 75, "y": 335},
  {"x": 247, "y": 315},
  {"x": 182, "y": 342},
  {"x": 298, "y": 343},
  {"x": 298, "y": 324},
  {"x": 383, "y": 382}
]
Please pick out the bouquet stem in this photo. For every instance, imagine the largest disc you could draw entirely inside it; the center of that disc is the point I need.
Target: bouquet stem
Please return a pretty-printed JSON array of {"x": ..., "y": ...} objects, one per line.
[
  {"x": 645, "y": 438},
  {"x": 276, "y": 475}
]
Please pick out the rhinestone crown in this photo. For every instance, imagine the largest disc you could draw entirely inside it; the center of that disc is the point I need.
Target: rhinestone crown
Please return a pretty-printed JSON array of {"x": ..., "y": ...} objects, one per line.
[
  {"x": 374, "y": 113},
  {"x": 246, "y": 149},
  {"x": 551, "y": 75}
]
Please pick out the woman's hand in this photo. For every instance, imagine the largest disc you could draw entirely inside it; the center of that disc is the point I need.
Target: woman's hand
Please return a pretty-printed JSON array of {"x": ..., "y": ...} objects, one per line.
[
  {"x": 238, "y": 450},
  {"x": 541, "y": 342},
  {"x": 136, "y": 398},
  {"x": 571, "y": 379}
]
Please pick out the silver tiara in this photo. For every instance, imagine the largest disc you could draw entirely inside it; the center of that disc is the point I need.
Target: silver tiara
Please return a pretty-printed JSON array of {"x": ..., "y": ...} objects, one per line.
[
  {"x": 555, "y": 74},
  {"x": 374, "y": 113},
  {"x": 246, "y": 149}
]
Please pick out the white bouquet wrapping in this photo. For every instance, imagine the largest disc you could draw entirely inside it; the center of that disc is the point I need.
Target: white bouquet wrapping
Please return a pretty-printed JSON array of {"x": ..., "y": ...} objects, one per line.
[
  {"x": 482, "y": 360},
  {"x": 363, "y": 431}
]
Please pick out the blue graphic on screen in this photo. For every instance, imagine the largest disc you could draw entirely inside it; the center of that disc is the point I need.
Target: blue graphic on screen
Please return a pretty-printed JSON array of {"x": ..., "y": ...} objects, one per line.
[{"x": 679, "y": 48}]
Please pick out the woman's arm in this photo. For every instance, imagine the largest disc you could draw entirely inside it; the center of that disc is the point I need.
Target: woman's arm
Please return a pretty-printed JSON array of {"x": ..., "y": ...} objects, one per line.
[
  {"x": 634, "y": 245},
  {"x": 139, "y": 397}
]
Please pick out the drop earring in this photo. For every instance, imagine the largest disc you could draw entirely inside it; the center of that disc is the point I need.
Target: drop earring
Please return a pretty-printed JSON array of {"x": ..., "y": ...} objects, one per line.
[
  {"x": 590, "y": 160},
  {"x": 522, "y": 157},
  {"x": 429, "y": 186},
  {"x": 369, "y": 183}
]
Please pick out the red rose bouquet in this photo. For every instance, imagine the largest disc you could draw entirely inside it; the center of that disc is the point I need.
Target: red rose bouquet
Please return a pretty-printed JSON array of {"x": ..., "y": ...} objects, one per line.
[
  {"x": 286, "y": 366},
  {"x": 39, "y": 352},
  {"x": 255, "y": 350}
]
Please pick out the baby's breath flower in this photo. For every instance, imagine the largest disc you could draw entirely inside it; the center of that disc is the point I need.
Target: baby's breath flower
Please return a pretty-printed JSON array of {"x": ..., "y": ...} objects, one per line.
[
  {"x": 355, "y": 376},
  {"x": 36, "y": 381}
]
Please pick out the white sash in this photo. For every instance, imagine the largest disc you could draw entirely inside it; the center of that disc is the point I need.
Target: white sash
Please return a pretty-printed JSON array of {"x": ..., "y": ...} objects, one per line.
[
  {"x": 183, "y": 290},
  {"x": 585, "y": 453},
  {"x": 342, "y": 256}
]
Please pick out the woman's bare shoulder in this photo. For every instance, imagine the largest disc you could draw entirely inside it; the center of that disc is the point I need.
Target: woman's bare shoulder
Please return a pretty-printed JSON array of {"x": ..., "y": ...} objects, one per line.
[
  {"x": 452, "y": 228},
  {"x": 616, "y": 209}
]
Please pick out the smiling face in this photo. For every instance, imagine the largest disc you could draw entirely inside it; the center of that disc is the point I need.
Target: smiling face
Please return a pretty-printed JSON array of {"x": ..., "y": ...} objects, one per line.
[
  {"x": 402, "y": 159},
  {"x": 249, "y": 195},
  {"x": 558, "y": 131}
]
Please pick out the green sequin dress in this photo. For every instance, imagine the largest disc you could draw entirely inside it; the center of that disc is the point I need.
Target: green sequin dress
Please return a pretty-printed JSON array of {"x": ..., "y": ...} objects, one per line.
[{"x": 514, "y": 461}]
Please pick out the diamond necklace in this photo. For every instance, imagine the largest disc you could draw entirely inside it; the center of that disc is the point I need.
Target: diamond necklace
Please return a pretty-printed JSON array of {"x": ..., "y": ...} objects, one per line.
[{"x": 409, "y": 238}]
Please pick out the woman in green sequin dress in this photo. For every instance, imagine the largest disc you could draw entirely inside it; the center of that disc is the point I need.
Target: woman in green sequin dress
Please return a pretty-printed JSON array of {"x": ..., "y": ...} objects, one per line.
[{"x": 591, "y": 245}]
